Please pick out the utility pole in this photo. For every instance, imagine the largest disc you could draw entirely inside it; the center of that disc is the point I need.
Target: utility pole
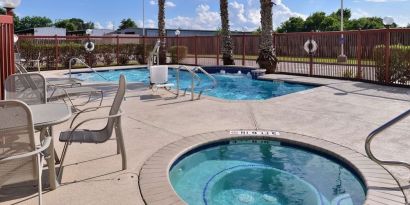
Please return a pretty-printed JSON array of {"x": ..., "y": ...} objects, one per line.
[{"x": 342, "y": 57}]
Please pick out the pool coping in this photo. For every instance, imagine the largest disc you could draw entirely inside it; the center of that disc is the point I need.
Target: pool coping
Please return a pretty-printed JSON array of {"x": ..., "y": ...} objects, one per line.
[{"x": 156, "y": 189}]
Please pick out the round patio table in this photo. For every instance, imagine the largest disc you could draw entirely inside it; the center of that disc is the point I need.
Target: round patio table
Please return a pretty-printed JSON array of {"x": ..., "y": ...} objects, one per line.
[{"x": 45, "y": 116}]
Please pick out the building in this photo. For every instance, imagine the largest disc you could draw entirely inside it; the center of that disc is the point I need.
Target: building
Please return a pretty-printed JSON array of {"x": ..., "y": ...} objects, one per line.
[
  {"x": 171, "y": 32},
  {"x": 43, "y": 31},
  {"x": 94, "y": 32}
]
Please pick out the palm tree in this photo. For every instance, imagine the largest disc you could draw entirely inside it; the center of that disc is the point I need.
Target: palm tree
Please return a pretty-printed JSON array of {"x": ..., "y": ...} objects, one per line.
[
  {"x": 267, "y": 57},
  {"x": 227, "y": 47},
  {"x": 161, "y": 31}
]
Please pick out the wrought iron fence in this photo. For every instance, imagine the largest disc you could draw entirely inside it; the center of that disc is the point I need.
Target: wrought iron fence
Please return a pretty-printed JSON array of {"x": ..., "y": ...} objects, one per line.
[{"x": 381, "y": 56}]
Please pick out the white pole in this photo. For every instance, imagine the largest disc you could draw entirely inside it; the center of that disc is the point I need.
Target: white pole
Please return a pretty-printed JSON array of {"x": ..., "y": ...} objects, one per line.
[{"x": 143, "y": 17}]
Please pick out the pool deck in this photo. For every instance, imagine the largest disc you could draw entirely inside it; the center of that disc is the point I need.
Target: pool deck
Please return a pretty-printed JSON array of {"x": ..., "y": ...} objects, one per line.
[{"x": 339, "y": 112}]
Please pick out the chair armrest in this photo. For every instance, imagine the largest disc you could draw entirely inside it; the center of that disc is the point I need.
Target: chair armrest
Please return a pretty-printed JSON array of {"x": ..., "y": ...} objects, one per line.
[
  {"x": 46, "y": 143},
  {"x": 90, "y": 109},
  {"x": 92, "y": 119}
]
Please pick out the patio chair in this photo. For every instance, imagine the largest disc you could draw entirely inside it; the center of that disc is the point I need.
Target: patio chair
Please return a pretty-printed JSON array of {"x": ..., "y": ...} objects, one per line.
[
  {"x": 25, "y": 83},
  {"x": 21, "y": 160},
  {"x": 29, "y": 88},
  {"x": 77, "y": 135},
  {"x": 69, "y": 82}
]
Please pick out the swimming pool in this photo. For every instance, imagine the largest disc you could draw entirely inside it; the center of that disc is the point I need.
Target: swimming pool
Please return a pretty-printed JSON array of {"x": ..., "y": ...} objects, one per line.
[
  {"x": 230, "y": 86},
  {"x": 263, "y": 172}
]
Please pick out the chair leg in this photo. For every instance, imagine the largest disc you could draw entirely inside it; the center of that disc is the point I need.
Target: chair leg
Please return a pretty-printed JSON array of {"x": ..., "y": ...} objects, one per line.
[
  {"x": 60, "y": 171},
  {"x": 40, "y": 185},
  {"x": 120, "y": 140}
]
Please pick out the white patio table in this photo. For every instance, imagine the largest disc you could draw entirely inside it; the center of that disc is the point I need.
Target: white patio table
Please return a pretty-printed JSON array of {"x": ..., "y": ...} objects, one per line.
[{"x": 45, "y": 116}]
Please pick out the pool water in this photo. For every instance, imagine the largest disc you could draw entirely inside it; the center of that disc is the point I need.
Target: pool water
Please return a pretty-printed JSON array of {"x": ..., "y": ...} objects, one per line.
[
  {"x": 263, "y": 173},
  {"x": 230, "y": 86}
]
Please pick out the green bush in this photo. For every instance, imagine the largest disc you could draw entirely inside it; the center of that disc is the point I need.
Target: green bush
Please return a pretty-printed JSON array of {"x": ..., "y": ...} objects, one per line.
[
  {"x": 103, "y": 54},
  {"x": 106, "y": 54},
  {"x": 178, "y": 53},
  {"x": 399, "y": 68}
]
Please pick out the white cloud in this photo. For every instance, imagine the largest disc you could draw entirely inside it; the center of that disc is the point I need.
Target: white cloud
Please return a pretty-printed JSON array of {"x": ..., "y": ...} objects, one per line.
[
  {"x": 386, "y": 1},
  {"x": 170, "y": 4},
  {"x": 243, "y": 16},
  {"x": 204, "y": 19},
  {"x": 98, "y": 25},
  {"x": 359, "y": 13},
  {"x": 109, "y": 25}
]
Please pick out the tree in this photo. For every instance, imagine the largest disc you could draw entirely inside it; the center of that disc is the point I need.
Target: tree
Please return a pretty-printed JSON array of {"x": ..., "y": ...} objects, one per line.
[
  {"x": 127, "y": 23},
  {"x": 227, "y": 46},
  {"x": 408, "y": 25},
  {"x": 161, "y": 31},
  {"x": 267, "y": 57},
  {"x": 294, "y": 24},
  {"x": 347, "y": 14},
  {"x": 74, "y": 24},
  {"x": 2, "y": 11},
  {"x": 29, "y": 22},
  {"x": 314, "y": 21},
  {"x": 365, "y": 23}
]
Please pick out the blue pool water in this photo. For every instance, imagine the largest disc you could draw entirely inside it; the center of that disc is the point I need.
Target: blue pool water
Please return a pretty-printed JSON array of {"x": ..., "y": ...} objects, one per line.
[
  {"x": 230, "y": 86},
  {"x": 263, "y": 173}
]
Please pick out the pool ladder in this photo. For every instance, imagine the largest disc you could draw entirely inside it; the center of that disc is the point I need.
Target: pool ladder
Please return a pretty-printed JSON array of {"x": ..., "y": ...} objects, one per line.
[
  {"x": 379, "y": 130},
  {"x": 77, "y": 60},
  {"x": 194, "y": 76}
]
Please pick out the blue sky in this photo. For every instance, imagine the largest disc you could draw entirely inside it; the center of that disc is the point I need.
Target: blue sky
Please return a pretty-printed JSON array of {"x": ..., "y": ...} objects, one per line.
[{"x": 204, "y": 14}]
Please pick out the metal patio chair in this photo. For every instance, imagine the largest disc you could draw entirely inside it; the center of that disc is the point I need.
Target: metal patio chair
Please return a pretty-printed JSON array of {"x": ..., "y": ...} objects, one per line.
[
  {"x": 21, "y": 160},
  {"x": 57, "y": 92},
  {"x": 69, "y": 82},
  {"x": 29, "y": 88},
  {"x": 77, "y": 135}
]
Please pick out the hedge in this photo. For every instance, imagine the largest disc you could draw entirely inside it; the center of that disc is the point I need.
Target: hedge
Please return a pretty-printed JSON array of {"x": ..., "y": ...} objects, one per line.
[
  {"x": 103, "y": 54},
  {"x": 399, "y": 67},
  {"x": 178, "y": 53}
]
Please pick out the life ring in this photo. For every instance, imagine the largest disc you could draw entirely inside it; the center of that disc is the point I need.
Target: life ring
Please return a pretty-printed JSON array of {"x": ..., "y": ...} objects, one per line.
[
  {"x": 310, "y": 46},
  {"x": 89, "y": 46}
]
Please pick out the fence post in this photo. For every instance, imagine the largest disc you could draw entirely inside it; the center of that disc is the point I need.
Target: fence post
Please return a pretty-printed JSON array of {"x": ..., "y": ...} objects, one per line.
[
  {"x": 7, "y": 66},
  {"x": 177, "y": 49},
  {"x": 118, "y": 50},
  {"x": 243, "y": 49},
  {"x": 217, "y": 48},
  {"x": 311, "y": 58},
  {"x": 56, "y": 54},
  {"x": 144, "y": 51},
  {"x": 387, "y": 57},
  {"x": 359, "y": 54},
  {"x": 195, "y": 50}
]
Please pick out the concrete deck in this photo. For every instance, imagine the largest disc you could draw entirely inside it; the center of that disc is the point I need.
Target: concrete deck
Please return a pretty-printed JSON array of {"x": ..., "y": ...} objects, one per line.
[{"x": 341, "y": 112}]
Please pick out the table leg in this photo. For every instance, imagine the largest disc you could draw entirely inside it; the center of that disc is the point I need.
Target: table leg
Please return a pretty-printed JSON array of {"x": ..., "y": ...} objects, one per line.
[{"x": 51, "y": 163}]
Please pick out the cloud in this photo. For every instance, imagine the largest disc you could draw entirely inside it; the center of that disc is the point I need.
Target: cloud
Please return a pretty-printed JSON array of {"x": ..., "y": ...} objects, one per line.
[
  {"x": 109, "y": 25},
  {"x": 204, "y": 19},
  {"x": 168, "y": 4},
  {"x": 359, "y": 13},
  {"x": 243, "y": 16},
  {"x": 385, "y": 1}
]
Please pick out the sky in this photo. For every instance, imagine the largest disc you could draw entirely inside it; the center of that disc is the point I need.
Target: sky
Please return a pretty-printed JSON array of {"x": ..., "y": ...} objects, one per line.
[{"x": 204, "y": 14}]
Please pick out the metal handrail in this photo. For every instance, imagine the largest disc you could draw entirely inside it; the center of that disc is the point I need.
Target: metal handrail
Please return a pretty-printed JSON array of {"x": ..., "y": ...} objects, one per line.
[
  {"x": 154, "y": 51},
  {"x": 382, "y": 128},
  {"x": 82, "y": 62},
  {"x": 214, "y": 84},
  {"x": 194, "y": 76}
]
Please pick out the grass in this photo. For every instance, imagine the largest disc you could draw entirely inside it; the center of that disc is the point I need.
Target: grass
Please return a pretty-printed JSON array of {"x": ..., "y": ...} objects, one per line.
[{"x": 294, "y": 59}]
